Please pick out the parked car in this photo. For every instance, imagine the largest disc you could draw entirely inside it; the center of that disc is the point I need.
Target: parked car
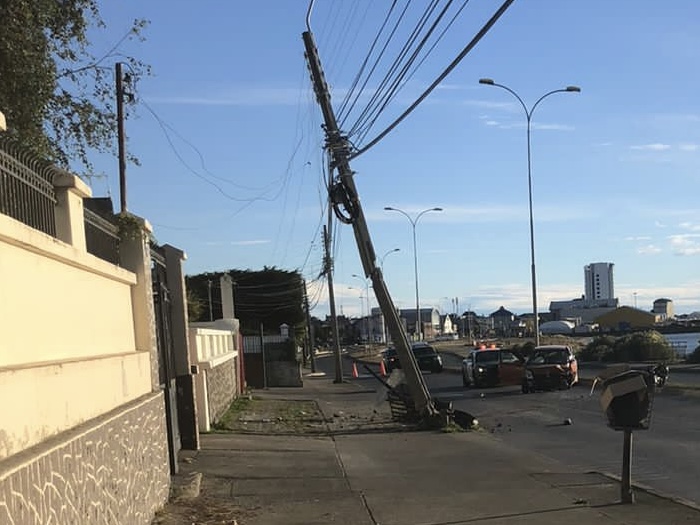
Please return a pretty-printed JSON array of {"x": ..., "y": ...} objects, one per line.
[
  {"x": 550, "y": 367},
  {"x": 492, "y": 367},
  {"x": 426, "y": 356}
]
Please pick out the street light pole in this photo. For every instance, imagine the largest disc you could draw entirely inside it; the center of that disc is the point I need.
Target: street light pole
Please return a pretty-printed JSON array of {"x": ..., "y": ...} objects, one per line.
[
  {"x": 369, "y": 313},
  {"x": 528, "y": 116},
  {"x": 381, "y": 259},
  {"x": 419, "y": 327},
  {"x": 385, "y": 332}
]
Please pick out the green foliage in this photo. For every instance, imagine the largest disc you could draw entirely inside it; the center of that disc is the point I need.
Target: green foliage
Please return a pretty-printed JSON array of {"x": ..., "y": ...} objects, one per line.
[
  {"x": 635, "y": 347},
  {"x": 695, "y": 356},
  {"x": 597, "y": 349},
  {"x": 643, "y": 346},
  {"x": 56, "y": 94},
  {"x": 270, "y": 297},
  {"x": 195, "y": 306},
  {"x": 523, "y": 350}
]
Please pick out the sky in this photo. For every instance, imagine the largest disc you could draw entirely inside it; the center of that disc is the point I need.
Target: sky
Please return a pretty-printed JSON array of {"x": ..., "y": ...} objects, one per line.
[{"x": 230, "y": 141}]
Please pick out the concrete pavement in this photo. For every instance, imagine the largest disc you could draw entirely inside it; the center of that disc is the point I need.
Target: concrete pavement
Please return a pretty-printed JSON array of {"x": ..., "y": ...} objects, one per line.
[{"x": 367, "y": 470}]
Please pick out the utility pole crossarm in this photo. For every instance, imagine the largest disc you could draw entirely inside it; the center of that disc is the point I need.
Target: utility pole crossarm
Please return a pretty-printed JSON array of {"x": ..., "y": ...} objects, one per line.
[{"x": 344, "y": 192}]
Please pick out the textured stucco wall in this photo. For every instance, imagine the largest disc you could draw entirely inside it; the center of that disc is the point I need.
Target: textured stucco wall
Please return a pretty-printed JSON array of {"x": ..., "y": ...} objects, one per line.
[
  {"x": 221, "y": 385},
  {"x": 111, "y": 470}
]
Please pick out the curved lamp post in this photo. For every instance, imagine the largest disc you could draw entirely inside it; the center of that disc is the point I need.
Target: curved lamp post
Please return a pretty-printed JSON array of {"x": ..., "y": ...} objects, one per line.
[
  {"x": 381, "y": 259},
  {"x": 528, "y": 115},
  {"x": 369, "y": 312},
  {"x": 414, "y": 221}
]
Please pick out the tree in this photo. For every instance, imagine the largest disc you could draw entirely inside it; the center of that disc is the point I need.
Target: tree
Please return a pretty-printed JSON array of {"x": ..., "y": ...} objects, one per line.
[
  {"x": 55, "y": 93},
  {"x": 599, "y": 349},
  {"x": 642, "y": 346},
  {"x": 270, "y": 296}
]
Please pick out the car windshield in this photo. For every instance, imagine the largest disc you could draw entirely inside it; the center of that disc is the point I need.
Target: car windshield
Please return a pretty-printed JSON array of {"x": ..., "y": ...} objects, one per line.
[
  {"x": 421, "y": 351},
  {"x": 486, "y": 357},
  {"x": 550, "y": 357}
]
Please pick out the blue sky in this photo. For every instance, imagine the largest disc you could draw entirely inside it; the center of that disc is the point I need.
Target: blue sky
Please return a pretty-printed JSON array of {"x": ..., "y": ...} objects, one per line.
[{"x": 237, "y": 180}]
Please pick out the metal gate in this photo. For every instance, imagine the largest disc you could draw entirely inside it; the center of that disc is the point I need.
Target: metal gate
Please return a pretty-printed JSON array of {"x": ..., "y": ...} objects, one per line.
[{"x": 166, "y": 359}]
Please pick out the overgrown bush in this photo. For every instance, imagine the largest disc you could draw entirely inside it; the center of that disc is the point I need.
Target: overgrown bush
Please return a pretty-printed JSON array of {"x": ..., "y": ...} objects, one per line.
[
  {"x": 598, "y": 349},
  {"x": 695, "y": 356},
  {"x": 642, "y": 346},
  {"x": 636, "y": 347},
  {"x": 523, "y": 350}
]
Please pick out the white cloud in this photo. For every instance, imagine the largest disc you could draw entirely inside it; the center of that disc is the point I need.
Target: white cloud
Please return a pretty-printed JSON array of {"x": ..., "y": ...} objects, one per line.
[
  {"x": 251, "y": 242},
  {"x": 690, "y": 226},
  {"x": 638, "y": 238},
  {"x": 649, "y": 249},
  {"x": 685, "y": 244},
  {"x": 652, "y": 147},
  {"x": 689, "y": 147}
]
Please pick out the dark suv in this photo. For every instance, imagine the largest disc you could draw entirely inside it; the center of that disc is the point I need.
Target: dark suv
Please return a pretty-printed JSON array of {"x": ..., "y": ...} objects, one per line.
[{"x": 426, "y": 356}]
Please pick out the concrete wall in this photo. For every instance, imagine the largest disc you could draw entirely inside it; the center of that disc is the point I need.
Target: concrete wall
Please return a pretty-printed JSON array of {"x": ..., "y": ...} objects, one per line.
[
  {"x": 113, "y": 469},
  {"x": 82, "y": 432},
  {"x": 214, "y": 346}
]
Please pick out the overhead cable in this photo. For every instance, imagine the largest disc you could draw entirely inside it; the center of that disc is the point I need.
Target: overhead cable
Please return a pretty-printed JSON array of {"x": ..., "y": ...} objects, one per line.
[{"x": 485, "y": 29}]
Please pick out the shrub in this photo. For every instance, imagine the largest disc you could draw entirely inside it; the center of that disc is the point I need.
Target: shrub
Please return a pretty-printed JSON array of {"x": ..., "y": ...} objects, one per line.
[
  {"x": 642, "y": 346},
  {"x": 599, "y": 349},
  {"x": 695, "y": 356},
  {"x": 523, "y": 350}
]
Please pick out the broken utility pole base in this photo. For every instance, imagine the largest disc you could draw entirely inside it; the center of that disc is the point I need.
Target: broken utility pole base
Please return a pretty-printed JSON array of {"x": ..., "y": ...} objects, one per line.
[{"x": 344, "y": 193}]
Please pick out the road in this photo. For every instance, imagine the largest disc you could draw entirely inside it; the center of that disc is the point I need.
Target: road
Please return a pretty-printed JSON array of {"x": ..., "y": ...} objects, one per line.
[{"x": 665, "y": 458}]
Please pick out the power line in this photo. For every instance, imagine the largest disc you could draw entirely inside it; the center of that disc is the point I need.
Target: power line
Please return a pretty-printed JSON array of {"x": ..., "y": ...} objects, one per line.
[{"x": 485, "y": 29}]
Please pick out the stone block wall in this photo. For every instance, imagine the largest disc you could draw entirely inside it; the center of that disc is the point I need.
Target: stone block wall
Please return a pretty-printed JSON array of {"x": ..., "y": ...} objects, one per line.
[
  {"x": 111, "y": 470},
  {"x": 222, "y": 388}
]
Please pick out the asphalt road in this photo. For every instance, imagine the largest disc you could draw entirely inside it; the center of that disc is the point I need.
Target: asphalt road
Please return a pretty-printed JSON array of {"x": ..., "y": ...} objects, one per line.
[{"x": 666, "y": 457}]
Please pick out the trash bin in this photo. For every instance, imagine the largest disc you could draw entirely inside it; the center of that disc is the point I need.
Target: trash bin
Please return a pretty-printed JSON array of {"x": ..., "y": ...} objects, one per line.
[{"x": 627, "y": 400}]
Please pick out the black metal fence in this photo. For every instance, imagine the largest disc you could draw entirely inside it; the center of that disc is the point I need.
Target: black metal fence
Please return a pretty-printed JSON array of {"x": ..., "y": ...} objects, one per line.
[
  {"x": 101, "y": 237},
  {"x": 27, "y": 194}
]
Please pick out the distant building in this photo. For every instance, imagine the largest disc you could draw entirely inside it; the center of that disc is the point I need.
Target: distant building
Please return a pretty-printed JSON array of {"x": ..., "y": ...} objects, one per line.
[
  {"x": 664, "y": 307},
  {"x": 599, "y": 281},
  {"x": 502, "y": 321},
  {"x": 557, "y": 327},
  {"x": 627, "y": 318},
  {"x": 429, "y": 319},
  {"x": 582, "y": 310}
]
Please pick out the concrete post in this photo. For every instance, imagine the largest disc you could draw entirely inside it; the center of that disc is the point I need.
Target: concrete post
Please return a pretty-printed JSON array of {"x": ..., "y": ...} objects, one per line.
[
  {"x": 70, "y": 219},
  {"x": 186, "y": 392},
  {"x": 227, "y": 305},
  {"x": 136, "y": 257}
]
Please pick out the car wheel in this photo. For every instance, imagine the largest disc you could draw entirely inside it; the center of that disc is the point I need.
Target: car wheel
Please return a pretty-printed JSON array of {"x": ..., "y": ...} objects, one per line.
[
  {"x": 526, "y": 389},
  {"x": 465, "y": 381}
]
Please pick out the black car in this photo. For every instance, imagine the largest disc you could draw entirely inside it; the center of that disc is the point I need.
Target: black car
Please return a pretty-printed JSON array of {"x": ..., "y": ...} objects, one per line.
[{"x": 426, "y": 356}]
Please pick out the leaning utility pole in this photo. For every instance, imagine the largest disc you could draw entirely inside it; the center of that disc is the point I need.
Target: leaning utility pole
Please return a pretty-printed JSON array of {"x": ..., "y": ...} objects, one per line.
[{"x": 344, "y": 193}]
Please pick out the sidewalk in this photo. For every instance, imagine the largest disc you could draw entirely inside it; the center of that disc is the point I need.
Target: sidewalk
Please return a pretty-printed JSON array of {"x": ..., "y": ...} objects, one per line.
[{"x": 368, "y": 470}]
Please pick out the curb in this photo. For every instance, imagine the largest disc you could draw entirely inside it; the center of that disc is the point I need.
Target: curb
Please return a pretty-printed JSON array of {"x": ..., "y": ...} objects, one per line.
[{"x": 652, "y": 491}]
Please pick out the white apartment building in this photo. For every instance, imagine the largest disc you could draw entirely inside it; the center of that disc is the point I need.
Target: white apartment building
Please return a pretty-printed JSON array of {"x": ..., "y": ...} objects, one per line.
[{"x": 599, "y": 281}]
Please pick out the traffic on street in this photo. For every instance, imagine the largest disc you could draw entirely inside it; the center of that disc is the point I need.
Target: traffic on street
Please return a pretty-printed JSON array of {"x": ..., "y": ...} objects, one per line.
[{"x": 569, "y": 425}]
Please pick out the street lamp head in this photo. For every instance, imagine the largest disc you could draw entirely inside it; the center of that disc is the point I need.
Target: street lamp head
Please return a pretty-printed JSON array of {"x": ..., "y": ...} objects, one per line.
[
  {"x": 388, "y": 208},
  {"x": 487, "y": 81},
  {"x": 436, "y": 209},
  {"x": 573, "y": 89}
]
